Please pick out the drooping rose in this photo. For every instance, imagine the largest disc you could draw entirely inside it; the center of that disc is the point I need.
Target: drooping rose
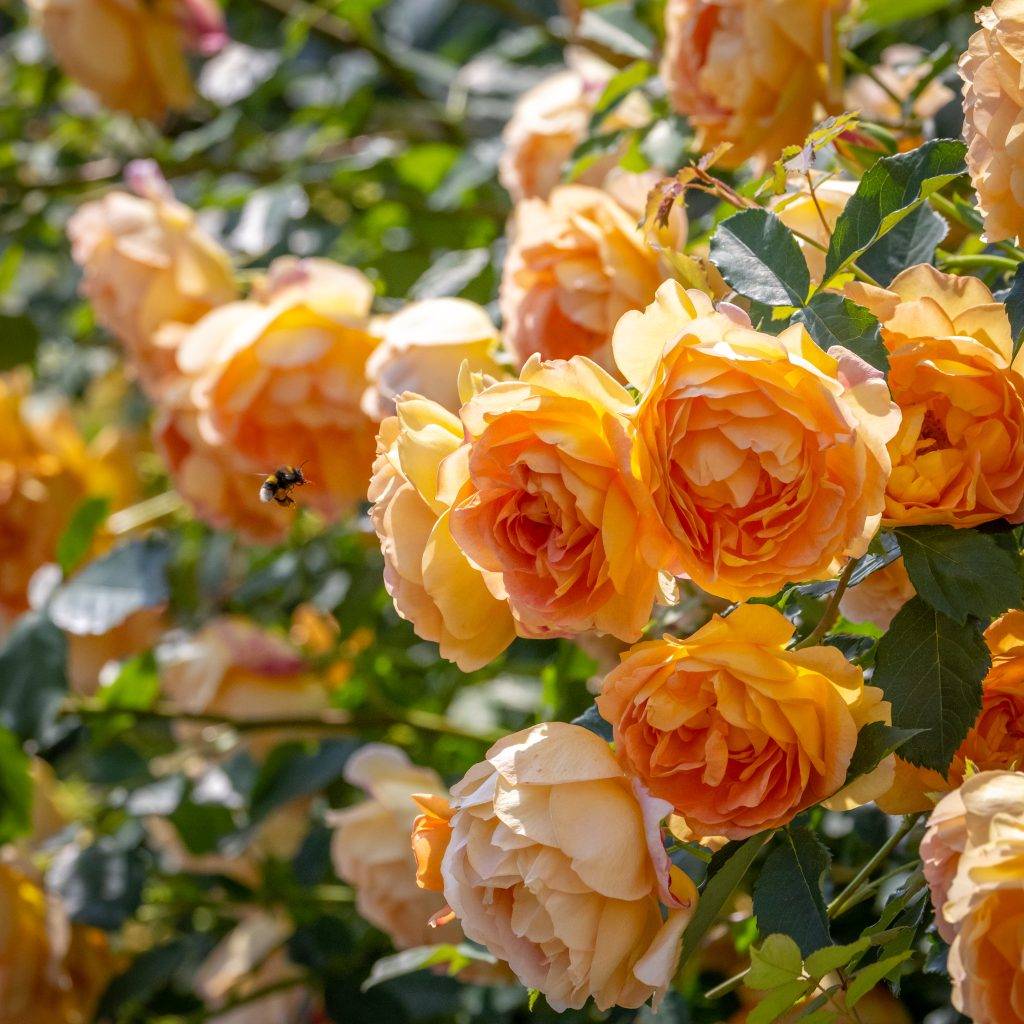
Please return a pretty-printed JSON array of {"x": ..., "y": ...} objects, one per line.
[
  {"x": 814, "y": 216},
  {"x": 736, "y": 732},
  {"x": 149, "y": 270},
  {"x": 576, "y": 262},
  {"x": 959, "y": 455},
  {"x": 131, "y": 53},
  {"x": 422, "y": 350},
  {"x": 553, "y": 860},
  {"x": 765, "y": 456},
  {"x": 993, "y": 114},
  {"x": 554, "y": 504},
  {"x": 418, "y": 472},
  {"x": 879, "y": 597},
  {"x": 753, "y": 73}
]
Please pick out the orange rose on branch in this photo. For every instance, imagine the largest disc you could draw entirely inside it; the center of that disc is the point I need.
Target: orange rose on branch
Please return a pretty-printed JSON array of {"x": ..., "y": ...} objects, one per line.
[{"x": 738, "y": 733}]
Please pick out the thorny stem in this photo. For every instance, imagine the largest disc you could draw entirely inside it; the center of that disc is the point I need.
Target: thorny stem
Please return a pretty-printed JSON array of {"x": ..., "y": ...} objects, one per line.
[
  {"x": 831, "y": 613},
  {"x": 817, "y": 205}
]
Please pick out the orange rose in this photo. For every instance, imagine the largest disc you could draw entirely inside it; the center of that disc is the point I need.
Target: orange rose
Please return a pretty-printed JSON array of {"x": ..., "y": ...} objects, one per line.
[
  {"x": 553, "y": 502},
  {"x": 878, "y": 597},
  {"x": 751, "y": 73},
  {"x": 996, "y": 740},
  {"x": 576, "y": 262},
  {"x": 736, "y": 732},
  {"x": 765, "y": 456},
  {"x": 131, "y": 53},
  {"x": 959, "y": 455},
  {"x": 420, "y": 467},
  {"x": 554, "y": 862},
  {"x": 147, "y": 265}
]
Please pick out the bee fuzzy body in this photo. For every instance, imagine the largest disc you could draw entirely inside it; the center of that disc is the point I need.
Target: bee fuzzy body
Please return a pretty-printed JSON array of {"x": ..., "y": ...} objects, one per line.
[{"x": 278, "y": 486}]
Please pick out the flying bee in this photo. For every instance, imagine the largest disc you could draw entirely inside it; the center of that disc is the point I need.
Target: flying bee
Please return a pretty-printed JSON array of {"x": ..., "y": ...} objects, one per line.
[{"x": 278, "y": 486}]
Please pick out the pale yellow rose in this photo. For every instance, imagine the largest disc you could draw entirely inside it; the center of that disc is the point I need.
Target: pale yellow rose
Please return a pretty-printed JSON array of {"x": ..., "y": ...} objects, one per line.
[
  {"x": 576, "y": 262},
  {"x": 814, "y": 216},
  {"x": 553, "y": 860},
  {"x": 993, "y": 116},
  {"x": 131, "y": 53},
  {"x": 51, "y": 971},
  {"x": 422, "y": 350},
  {"x": 765, "y": 455},
  {"x": 752, "y": 73},
  {"x": 553, "y": 502},
  {"x": 958, "y": 457},
  {"x": 149, "y": 270},
  {"x": 878, "y": 597},
  {"x": 420, "y": 466}
]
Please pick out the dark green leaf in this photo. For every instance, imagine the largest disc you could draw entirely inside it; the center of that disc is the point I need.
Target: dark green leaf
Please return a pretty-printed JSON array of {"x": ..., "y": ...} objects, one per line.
[
  {"x": 831, "y": 319},
  {"x": 128, "y": 579},
  {"x": 77, "y": 538},
  {"x": 911, "y": 242},
  {"x": 892, "y": 189},
  {"x": 293, "y": 770},
  {"x": 931, "y": 669},
  {"x": 19, "y": 339},
  {"x": 15, "y": 788},
  {"x": 591, "y": 719},
  {"x": 758, "y": 255},
  {"x": 32, "y": 677},
  {"x": 875, "y": 742},
  {"x": 1015, "y": 308},
  {"x": 787, "y": 897},
  {"x": 961, "y": 572}
]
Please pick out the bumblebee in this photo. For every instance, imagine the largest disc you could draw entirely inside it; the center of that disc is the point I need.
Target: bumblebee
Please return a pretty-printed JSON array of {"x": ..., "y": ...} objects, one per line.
[{"x": 278, "y": 486}]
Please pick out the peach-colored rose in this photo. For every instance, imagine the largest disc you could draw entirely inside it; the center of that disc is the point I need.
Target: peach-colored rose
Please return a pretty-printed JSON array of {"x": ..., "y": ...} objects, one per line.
[
  {"x": 752, "y": 73},
  {"x": 879, "y": 597},
  {"x": 736, "y": 732},
  {"x": 554, "y": 504},
  {"x": 765, "y": 456},
  {"x": 551, "y": 119},
  {"x": 576, "y": 262},
  {"x": 996, "y": 740},
  {"x": 959, "y": 455},
  {"x": 419, "y": 468},
  {"x": 275, "y": 381},
  {"x": 51, "y": 971},
  {"x": 814, "y": 216},
  {"x": 993, "y": 114},
  {"x": 900, "y": 69},
  {"x": 371, "y": 852},
  {"x": 422, "y": 349},
  {"x": 555, "y": 863},
  {"x": 131, "y": 53},
  {"x": 148, "y": 270}
]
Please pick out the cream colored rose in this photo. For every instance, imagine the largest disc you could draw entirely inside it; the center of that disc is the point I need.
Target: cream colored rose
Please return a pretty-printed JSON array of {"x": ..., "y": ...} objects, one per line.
[
  {"x": 420, "y": 466},
  {"x": 814, "y": 216},
  {"x": 993, "y": 116},
  {"x": 554, "y": 861},
  {"x": 422, "y": 350},
  {"x": 878, "y": 597},
  {"x": 148, "y": 270},
  {"x": 131, "y": 53},
  {"x": 371, "y": 851}
]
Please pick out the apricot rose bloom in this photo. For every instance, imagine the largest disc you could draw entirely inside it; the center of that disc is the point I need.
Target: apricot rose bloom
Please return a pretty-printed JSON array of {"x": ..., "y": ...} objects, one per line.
[
  {"x": 422, "y": 350},
  {"x": 736, "y": 732},
  {"x": 370, "y": 846},
  {"x": 51, "y": 971},
  {"x": 131, "y": 53},
  {"x": 996, "y": 740},
  {"x": 973, "y": 855},
  {"x": 765, "y": 455},
  {"x": 751, "y": 73},
  {"x": 878, "y": 597},
  {"x": 553, "y": 860},
  {"x": 421, "y": 464},
  {"x": 554, "y": 504},
  {"x": 993, "y": 114},
  {"x": 146, "y": 265},
  {"x": 959, "y": 455},
  {"x": 576, "y": 262},
  {"x": 814, "y": 216}
]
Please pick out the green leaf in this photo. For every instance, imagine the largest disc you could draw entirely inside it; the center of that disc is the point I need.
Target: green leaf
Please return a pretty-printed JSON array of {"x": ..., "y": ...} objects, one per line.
[
  {"x": 421, "y": 957},
  {"x": 32, "y": 677},
  {"x": 930, "y": 668},
  {"x": 776, "y": 962},
  {"x": 77, "y": 538},
  {"x": 15, "y": 788},
  {"x": 831, "y": 319},
  {"x": 911, "y": 242},
  {"x": 101, "y": 884},
  {"x": 867, "y": 978},
  {"x": 787, "y": 896},
  {"x": 882, "y": 13},
  {"x": 758, "y": 255},
  {"x": 128, "y": 579},
  {"x": 293, "y": 770},
  {"x": 718, "y": 890},
  {"x": 875, "y": 742},
  {"x": 884, "y": 550},
  {"x": 890, "y": 190},
  {"x": 19, "y": 340},
  {"x": 778, "y": 1001},
  {"x": 136, "y": 687},
  {"x": 591, "y": 719},
  {"x": 621, "y": 84},
  {"x": 831, "y": 958},
  {"x": 1015, "y": 308},
  {"x": 961, "y": 572}
]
